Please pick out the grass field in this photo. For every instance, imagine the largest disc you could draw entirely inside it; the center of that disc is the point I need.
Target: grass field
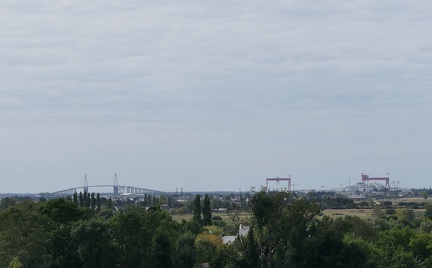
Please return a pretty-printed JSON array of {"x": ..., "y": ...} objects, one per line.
[
  {"x": 223, "y": 215},
  {"x": 363, "y": 213}
]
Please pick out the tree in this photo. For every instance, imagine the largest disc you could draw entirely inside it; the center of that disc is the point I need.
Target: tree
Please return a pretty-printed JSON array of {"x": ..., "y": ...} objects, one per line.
[
  {"x": 207, "y": 215},
  {"x": 61, "y": 211},
  {"x": 135, "y": 228},
  {"x": 75, "y": 198},
  {"x": 98, "y": 203},
  {"x": 250, "y": 249},
  {"x": 94, "y": 243},
  {"x": 377, "y": 211},
  {"x": 162, "y": 251},
  {"x": 7, "y": 202},
  {"x": 109, "y": 203},
  {"x": 23, "y": 233},
  {"x": 15, "y": 263},
  {"x": 93, "y": 202},
  {"x": 169, "y": 202},
  {"x": 406, "y": 215},
  {"x": 428, "y": 211},
  {"x": 81, "y": 200},
  {"x": 185, "y": 256},
  {"x": 283, "y": 228},
  {"x": 87, "y": 199},
  {"x": 207, "y": 247},
  {"x": 197, "y": 210},
  {"x": 133, "y": 235}
]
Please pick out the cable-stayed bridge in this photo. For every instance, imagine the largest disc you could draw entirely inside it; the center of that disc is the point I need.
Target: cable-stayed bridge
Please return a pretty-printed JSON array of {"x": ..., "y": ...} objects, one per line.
[{"x": 116, "y": 189}]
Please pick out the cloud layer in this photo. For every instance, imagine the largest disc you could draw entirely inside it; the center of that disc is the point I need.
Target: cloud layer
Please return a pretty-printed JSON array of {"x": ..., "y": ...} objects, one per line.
[{"x": 212, "y": 96}]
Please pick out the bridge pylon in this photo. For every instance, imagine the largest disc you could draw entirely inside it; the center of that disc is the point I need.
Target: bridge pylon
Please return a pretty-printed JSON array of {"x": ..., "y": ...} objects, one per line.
[
  {"x": 85, "y": 184},
  {"x": 116, "y": 186}
]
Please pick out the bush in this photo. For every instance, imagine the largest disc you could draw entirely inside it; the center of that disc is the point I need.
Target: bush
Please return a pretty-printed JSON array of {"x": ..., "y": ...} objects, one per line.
[
  {"x": 176, "y": 211},
  {"x": 387, "y": 203},
  {"x": 390, "y": 211},
  {"x": 363, "y": 204}
]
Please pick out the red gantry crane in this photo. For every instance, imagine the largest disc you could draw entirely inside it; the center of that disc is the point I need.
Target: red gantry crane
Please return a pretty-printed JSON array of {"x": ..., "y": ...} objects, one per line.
[
  {"x": 366, "y": 178},
  {"x": 279, "y": 179}
]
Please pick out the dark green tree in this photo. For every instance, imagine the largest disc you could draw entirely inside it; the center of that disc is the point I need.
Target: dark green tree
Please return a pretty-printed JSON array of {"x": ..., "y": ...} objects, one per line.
[
  {"x": 98, "y": 203},
  {"x": 81, "y": 200},
  {"x": 94, "y": 244},
  {"x": 207, "y": 215},
  {"x": 23, "y": 233},
  {"x": 75, "y": 198},
  {"x": 61, "y": 211},
  {"x": 133, "y": 230},
  {"x": 282, "y": 224},
  {"x": 250, "y": 251},
  {"x": 93, "y": 202},
  {"x": 185, "y": 256},
  {"x": 197, "y": 210},
  {"x": 7, "y": 202},
  {"x": 87, "y": 200},
  {"x": 428, "y": 210},
  {"x": 162, "y": 250},
  {"x": 109, "y": 203},
  {"x": 169, "y": 202}
]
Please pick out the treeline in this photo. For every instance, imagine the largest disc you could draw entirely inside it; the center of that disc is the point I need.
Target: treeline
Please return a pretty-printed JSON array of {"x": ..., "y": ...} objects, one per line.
[{"x": 284, "y": 231}]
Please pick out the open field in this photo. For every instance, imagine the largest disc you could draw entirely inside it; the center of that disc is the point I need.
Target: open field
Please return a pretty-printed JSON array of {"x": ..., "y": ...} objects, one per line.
[
  {"x": 223, "y": 215},
  {"x": 408, "y": 199},
  {"x": 363, "y": 213}
]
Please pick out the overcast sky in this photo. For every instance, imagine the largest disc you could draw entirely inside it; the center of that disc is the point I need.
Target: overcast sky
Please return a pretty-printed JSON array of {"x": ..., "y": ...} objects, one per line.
[{"x": 214, "y": 95}]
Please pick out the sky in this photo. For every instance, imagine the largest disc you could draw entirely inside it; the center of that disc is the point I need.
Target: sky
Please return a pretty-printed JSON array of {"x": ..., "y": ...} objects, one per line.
[{"x": 214, "y": 95}]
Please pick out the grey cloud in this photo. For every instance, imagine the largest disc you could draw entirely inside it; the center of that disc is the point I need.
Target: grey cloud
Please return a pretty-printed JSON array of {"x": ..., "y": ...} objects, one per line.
[{"x": 224, "y": 76}]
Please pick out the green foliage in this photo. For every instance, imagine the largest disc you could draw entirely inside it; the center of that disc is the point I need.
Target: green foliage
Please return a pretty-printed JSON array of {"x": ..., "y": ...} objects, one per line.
[
  {"x": 133, "y": 240},
  {"x": 94, "y": 244},
  {"x": 15, "y": 263},
  {"x": 98, "y": 203},
  {"x": 358, "y": 227},
  {"x": 250, "y": 251},
  {"x": 405, "y": 215},
  {"x": 61, "y": 211},
  {"x": 109, "y": 203},
  {"x": 281, "y": 223},
  {"x": 207, "y": 249},
  {"x": 207, "y": 215},
  {"x": 75, "y": 198},
  {"x": 162, "y": 250},
  {"x": 426, "y": 226},
  {"x": 81, "y": 200},
  {"x": 7, "y": 202},
  {"x": 185, "y": 256},
  {"x": 428, "y": 211},
  {"x": 197, "y": 210},
  {"x": 377, "y": 211},
  {"x": 285, "y": 231},
  {"x": 23, "y": 232}
]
